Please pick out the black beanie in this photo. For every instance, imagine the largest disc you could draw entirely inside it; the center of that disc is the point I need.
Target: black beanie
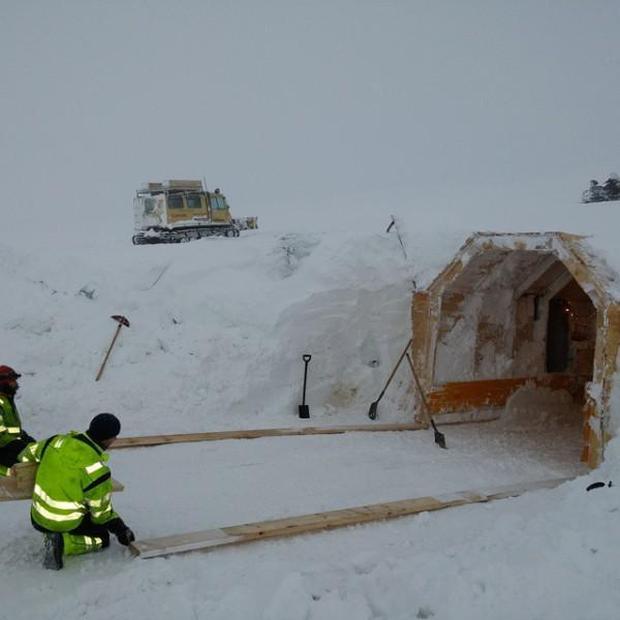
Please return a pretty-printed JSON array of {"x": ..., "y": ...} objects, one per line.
[{"x": 104, "y": 426}]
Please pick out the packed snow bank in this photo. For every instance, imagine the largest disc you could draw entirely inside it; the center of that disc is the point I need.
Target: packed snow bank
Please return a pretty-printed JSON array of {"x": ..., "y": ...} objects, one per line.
[{"x": 218, "y": 328}]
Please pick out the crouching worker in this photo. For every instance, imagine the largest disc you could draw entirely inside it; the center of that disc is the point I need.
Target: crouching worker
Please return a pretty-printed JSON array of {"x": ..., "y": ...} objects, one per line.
[
  {"x": 71, "y": 500},
  {"x": 13, "y": 439}
]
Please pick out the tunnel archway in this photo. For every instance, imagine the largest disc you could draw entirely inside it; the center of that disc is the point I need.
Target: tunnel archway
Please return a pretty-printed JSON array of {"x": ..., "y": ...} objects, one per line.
[{"x": 516, "y": 311}]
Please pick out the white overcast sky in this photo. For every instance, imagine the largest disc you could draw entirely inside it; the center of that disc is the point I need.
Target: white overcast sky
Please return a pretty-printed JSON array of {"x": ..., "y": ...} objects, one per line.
[{"x": 296, "y": 108}]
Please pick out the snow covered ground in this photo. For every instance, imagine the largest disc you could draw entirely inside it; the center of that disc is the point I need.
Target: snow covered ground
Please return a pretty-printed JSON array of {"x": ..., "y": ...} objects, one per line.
[
  {"x": 322, "y": 119},
  {"x": 217, "y": 331},
  {"x": 361, "y": 572}
]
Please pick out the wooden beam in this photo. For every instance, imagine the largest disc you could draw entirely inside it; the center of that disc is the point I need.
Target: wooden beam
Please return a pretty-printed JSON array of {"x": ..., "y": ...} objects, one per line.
[
  {"x": 557, "y": 285},
  {"x": 159, "y": 440},
  {"x": 536, "y": 275},
  {"x": 465, "y": 395},
  {"x": 20, "y": 484},
  {"x": 238, "y": 534}
]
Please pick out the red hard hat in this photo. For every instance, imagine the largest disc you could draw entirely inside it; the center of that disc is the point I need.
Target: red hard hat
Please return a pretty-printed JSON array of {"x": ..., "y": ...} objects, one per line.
[{"x": 7, "y": 373}]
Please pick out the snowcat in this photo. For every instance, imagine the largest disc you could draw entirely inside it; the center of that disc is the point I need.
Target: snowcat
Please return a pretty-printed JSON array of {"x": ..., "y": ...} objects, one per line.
[
  {"x": 603, "y": 193},
  {"x": 177, "y": 210}
]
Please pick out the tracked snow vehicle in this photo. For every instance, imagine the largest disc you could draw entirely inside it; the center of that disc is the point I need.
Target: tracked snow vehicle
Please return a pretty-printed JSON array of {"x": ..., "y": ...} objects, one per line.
[
  {"x": 182, "y": 210},
  {"x": 603, "y": 193}
]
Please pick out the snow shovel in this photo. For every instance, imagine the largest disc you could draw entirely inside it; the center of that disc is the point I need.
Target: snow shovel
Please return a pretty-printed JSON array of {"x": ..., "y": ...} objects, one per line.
[
  {"x": 304, "y": 410},
  {"x": 372, "y": 412},
  {"x": 440, "y": 438},
  {"x": 121, "y": 320}
]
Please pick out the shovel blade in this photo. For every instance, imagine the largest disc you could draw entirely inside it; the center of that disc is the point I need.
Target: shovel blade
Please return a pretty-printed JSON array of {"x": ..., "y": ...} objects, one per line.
[
  {"x": 372, "y": 412},
  {"x": 304, "y": 411},
  {"x": 440, "y": 440}
]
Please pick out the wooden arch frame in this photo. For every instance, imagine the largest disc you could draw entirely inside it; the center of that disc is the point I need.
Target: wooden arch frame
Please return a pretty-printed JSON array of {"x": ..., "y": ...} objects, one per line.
[{"x": 592, "y": 275}]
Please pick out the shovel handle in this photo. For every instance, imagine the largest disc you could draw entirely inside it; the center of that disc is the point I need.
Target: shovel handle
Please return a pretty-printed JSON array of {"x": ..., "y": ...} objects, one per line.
[
  {"x": 440, "y": 439},
  {"x": 427, "y": 412},
  {"x": 306, "y": 358},
  {"x": 400, "y": 359}
]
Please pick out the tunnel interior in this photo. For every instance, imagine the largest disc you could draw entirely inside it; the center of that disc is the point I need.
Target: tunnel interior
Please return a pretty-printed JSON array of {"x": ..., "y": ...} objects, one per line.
[{"x": 514, "y": 314}]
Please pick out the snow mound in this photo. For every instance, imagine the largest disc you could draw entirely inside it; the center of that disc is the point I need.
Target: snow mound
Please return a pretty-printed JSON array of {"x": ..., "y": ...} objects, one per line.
[{"x": 217, "y": 330}]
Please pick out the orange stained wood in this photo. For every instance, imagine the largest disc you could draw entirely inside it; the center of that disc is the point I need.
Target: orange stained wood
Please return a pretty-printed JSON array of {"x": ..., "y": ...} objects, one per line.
[
  {"x": 461, "y": 396},
  {"x": 588, "y": 436},
  {"x": 421, "y": 331}
]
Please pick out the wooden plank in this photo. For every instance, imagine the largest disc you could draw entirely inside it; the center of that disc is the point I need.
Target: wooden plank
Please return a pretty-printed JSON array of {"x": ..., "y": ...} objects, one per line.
[
  {"x": 20, "y": 484},
  {"x": 158, "y": 440},
  {"x": 463, "y": 395},
  {"x": 421, "y": 322},
  {"x": 237, "y": 534}
]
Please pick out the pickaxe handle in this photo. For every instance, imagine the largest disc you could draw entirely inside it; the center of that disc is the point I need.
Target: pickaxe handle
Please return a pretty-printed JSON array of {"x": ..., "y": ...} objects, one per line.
[
  {"x": 400, "y": 359},
  {"x": 105, "y": 359}
]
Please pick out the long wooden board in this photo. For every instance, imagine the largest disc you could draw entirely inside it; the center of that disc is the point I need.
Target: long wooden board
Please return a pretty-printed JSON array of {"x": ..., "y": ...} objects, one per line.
[
  {"x": 237, "y": 534},
  {"x": 464, "y": 395},
  {"x": 20, "y": 484},
  {"x": 158, "y": 440}
]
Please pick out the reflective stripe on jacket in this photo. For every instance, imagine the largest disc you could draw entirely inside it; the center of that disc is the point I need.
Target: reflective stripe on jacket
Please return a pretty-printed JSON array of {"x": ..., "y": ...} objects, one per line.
[
  {"x": 72, "y": 480},
  {"x": 10, "y": 424}
]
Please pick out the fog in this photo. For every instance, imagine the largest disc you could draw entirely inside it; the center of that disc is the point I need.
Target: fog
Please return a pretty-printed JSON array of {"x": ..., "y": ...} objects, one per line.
[{"x": 306, "y": 114}]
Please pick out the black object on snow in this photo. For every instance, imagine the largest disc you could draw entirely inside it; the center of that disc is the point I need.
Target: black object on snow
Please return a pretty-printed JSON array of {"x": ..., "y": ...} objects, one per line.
[
  {"x": 598, "y": 485},
  {"x": 304, "y": 410}
]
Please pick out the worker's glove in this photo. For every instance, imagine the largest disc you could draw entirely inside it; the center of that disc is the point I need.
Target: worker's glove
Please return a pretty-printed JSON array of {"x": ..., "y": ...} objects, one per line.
[
  {"x": 125, "y": 537},
  {"x": 123, "y": 534}
]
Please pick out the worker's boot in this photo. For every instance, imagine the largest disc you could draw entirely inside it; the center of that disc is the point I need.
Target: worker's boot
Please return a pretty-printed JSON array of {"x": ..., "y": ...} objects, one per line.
[{"x": 54, "y": 547}]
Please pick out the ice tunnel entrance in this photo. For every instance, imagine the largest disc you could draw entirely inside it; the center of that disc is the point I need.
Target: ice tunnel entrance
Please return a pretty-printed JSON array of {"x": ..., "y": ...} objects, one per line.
[
  {"x": 516, "y": 314},
  {"x": 515, "y": 325}
]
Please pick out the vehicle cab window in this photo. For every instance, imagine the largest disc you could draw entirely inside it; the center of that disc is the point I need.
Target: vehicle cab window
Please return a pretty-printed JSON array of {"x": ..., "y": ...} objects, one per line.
[
  {"x": 175, "y": 201},
  {"x": 194, "y": 201}
]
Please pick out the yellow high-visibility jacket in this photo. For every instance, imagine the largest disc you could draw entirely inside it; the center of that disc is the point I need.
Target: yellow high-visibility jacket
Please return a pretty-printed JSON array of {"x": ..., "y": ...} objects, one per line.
[{"x": 72, "y": 480}]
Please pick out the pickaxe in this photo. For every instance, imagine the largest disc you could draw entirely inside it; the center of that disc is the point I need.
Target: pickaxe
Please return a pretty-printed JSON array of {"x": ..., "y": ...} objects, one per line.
[{"x": 121, "y": 320}]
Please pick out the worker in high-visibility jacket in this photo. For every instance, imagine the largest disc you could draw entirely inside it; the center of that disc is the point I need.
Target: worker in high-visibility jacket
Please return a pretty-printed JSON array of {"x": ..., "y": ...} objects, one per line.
[
  {"x": 13, "y": 439},
  {"x": 71, "y": 499}
]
